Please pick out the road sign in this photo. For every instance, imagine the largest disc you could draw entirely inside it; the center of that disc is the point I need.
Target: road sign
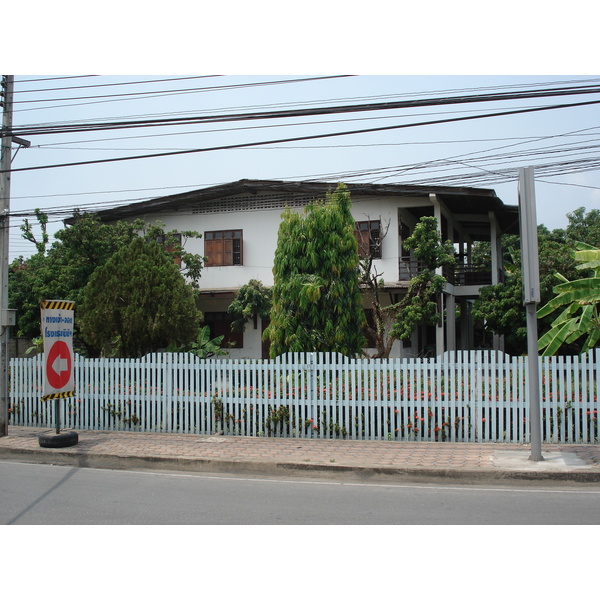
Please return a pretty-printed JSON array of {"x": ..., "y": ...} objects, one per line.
[
  {"x": 57, "y": 332},
  {"x": 59, "y": 365}
]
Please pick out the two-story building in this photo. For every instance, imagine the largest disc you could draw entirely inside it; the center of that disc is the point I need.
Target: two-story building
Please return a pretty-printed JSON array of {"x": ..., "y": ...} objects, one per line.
[{"x": 239, "y": 224}]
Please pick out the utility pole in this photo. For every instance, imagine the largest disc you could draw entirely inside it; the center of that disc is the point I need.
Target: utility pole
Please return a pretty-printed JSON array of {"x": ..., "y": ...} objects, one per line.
[
  {"x": 6, "y": 100},
  {"x": 531, "y": 289}
]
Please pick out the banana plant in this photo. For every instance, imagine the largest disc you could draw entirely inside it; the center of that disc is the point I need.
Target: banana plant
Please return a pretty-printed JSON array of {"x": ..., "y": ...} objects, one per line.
[{"x": 579, "y": 301}]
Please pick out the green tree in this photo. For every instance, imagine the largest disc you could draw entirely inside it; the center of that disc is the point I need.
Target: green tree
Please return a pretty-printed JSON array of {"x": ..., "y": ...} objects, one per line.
[
  {"x": 419, "y": 305},
  {"x": 63, "y": 269},
  {"x": 579, "y": 301},
  {"x": 584, "y": 227},
  {"x": 138, "y": 302},
  {"x": 500, "y": 306},
  {"x": 317, "y": 304},
  {"x": 252, "y": 300}
]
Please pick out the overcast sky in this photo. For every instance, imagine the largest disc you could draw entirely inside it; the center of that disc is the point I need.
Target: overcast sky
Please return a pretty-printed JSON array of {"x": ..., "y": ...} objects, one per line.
[{"x": 485, "y": 152}]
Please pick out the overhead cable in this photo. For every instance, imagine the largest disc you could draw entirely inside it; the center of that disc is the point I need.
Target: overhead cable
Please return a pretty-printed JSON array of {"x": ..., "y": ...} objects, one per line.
[
  {"x": 310, "y": 137},
  {"x": 79, "y": 127},
  {"x": 159, "y": 93}
]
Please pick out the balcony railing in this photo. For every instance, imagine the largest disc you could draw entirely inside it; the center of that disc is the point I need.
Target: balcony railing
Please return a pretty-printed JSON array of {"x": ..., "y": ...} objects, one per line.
[{"x": 458, "y": 275}]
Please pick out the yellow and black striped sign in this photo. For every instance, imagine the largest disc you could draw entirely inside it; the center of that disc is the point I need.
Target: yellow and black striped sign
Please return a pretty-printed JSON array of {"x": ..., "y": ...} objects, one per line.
[
  {"x": 57, "y": 305},
  {"x": 58, "y": 396}
]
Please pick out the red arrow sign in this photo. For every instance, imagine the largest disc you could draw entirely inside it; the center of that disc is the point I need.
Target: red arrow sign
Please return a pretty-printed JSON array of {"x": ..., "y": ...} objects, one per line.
[{"x": 59, "y": 365}]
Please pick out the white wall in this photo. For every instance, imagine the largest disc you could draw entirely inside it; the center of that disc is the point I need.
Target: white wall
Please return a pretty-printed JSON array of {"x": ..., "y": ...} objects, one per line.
[{"x": 260, "y": 228}]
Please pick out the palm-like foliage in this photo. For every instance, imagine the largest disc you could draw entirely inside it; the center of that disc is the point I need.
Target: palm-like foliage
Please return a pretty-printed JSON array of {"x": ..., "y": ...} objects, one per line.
[{"x": 579, "y": 300}]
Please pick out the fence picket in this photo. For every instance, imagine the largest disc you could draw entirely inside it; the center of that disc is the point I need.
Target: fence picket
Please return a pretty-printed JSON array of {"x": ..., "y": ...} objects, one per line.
[{"x": 461, "y": 396}]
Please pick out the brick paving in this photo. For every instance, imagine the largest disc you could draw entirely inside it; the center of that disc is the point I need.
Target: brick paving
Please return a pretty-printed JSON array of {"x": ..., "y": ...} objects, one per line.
[{"x": 113, "y": 449}]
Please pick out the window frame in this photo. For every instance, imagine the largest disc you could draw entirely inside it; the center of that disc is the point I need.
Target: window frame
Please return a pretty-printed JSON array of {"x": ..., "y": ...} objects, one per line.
[
  {"x": 368, "y": 236},
  {"x": 224, "y": 248},
  {"x": 177, "y": 238}
]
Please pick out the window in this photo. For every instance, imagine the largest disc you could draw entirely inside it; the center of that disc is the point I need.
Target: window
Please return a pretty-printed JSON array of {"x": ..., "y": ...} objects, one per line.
[
  {"x": 220, "y": 324},
  {"x": 223, "y": 248},
  {"x": 167, "y": 241},
  {"x": 368, "y": 236}
]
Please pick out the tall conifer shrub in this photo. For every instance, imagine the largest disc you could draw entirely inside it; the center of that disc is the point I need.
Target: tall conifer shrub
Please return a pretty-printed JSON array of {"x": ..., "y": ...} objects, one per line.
[{"x": 317, "y": 304}]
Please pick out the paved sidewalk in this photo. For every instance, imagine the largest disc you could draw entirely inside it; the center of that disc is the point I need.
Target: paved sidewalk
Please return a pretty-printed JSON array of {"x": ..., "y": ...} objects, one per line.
[{"x": 350, "y": 459}]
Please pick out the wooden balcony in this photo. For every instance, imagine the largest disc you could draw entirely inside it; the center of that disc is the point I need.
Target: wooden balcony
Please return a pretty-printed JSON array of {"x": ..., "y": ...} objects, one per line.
[{"x": 459, "y": 275}]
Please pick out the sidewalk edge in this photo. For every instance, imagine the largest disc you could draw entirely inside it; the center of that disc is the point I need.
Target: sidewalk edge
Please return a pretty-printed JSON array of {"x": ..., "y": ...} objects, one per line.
[{"x": 265, "y": 468}]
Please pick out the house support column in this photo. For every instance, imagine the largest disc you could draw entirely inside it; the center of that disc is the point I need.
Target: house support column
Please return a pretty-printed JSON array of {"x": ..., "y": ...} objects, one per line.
[
  {"x": 450, "y": 323},
  {"x": 495, "y": 248},
  {"x": 466, "y": 326},
  {"x": 439, "y": 330},
  {"x": 498, "y": 340}
]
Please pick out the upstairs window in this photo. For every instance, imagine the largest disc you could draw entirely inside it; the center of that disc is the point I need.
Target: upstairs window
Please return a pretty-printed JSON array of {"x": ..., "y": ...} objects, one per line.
[
  {"x": 368, "y": 236},
  {"x": 167, "y": 241},
  {"x": 223, "y": 248}
]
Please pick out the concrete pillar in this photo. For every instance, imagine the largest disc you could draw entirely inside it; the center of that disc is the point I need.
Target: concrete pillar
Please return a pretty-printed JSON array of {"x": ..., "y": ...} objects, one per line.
[
  {"x": 450, "y": 323},
  {"x": 495, "y": 248}
]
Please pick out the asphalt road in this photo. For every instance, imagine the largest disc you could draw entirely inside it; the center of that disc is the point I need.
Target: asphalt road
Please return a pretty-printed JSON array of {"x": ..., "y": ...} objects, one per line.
[{"x": 32, "y": 494}]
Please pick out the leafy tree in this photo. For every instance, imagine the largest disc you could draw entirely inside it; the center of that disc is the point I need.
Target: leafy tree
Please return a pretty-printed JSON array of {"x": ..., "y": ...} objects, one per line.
[
  {"x": 501, "y": 306},
  {"x": 252, "y": 300},
  {"x": 579, "y": 300},
  {"x": 317, "y": 304},
  {"x": 584, "y": 227},
  {"x": 63, "y": 269},
  {"x": 419, "y": 305},
  {"x": 138, "y": 302}
]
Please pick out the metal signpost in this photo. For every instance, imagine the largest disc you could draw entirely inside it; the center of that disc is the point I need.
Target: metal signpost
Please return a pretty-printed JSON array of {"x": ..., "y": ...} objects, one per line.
[
  {"x": 59, "y": 381},
  {"x": 531, "y": 289}
]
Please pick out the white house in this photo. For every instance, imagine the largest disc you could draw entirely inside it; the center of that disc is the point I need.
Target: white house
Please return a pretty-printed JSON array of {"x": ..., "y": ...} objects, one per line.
[{"x": 239, "y": 224}]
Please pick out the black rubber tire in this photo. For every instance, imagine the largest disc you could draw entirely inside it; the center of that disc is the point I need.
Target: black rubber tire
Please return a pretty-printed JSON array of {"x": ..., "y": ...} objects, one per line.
[{"x": 58, "y": 440}]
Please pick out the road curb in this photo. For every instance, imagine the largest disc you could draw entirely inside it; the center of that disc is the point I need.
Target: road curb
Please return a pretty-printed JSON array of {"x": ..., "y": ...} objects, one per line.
[{"x": 291, "y": 469}]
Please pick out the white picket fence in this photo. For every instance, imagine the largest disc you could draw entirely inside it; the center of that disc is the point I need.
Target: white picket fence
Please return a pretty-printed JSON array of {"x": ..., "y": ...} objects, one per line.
[{"x": 462, "y": 396}]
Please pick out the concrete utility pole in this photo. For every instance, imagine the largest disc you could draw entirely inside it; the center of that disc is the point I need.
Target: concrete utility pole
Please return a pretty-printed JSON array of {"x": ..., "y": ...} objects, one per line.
[
  {"x": 6, "y": 97},
  {"x": 531, "y": 288}
]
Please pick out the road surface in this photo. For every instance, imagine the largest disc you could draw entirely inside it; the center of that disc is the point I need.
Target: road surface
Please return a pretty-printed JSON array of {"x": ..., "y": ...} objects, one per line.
[{"x": 32, "y": 494}]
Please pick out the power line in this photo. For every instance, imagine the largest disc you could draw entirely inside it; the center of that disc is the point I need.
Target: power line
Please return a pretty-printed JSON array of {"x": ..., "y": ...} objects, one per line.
[
  {"x": 55, "y": 78},
  {"x": 517, "y": 140},
  {"x": 499, "y": 175},
  {"x": 204, "y": 89},
  {"x": 99, "y": 85},
  {"x": 79, "y": 127},
  {"x": 354, "y": 99},
  {"x": 156, "y": 93},
  {"x": 311, "y": 137},
  {"x": 53, "y": 145}
]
